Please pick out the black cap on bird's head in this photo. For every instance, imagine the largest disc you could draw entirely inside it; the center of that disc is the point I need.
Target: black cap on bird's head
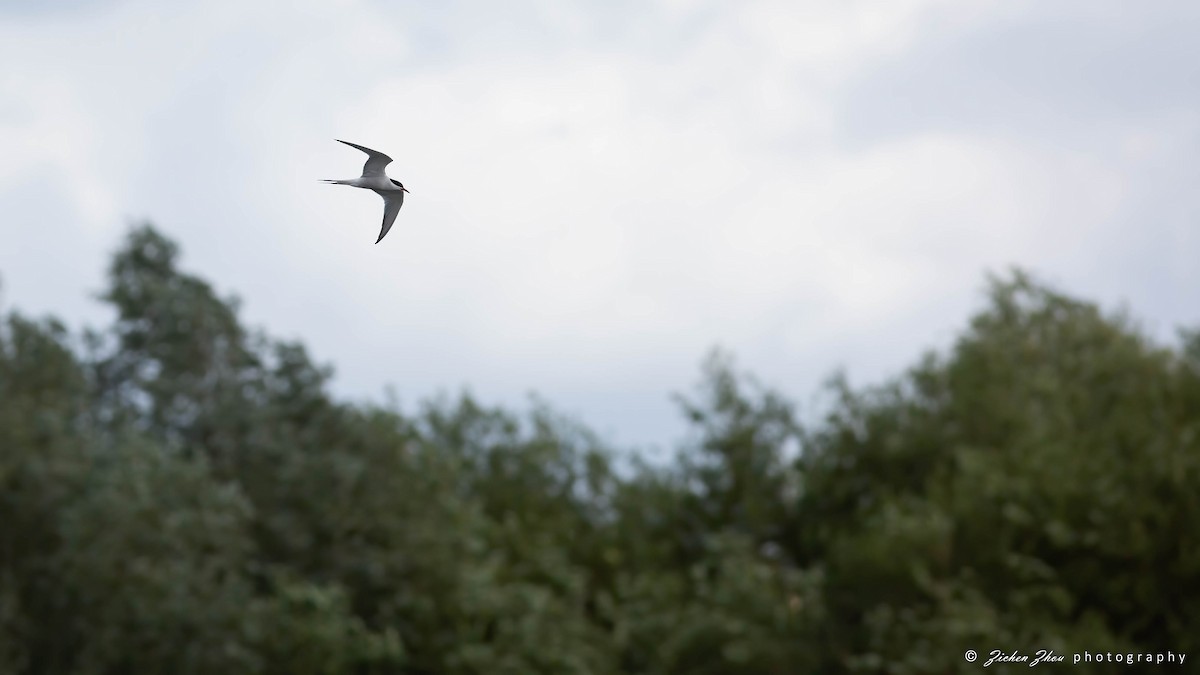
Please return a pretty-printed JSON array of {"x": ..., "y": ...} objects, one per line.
[{"x": 398, "y": 184}]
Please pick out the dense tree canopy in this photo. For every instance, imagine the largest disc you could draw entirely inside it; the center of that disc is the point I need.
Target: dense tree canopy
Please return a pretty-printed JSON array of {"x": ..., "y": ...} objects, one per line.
[{"x": 180, "y": 494}]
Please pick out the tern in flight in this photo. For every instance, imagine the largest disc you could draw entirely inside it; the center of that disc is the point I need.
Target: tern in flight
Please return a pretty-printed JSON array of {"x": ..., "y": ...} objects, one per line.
[{"x": 373, "y": 178}]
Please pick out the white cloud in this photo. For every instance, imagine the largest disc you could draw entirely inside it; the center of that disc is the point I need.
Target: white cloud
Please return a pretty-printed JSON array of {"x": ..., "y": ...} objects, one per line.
[{"x": 588, "y": 214}]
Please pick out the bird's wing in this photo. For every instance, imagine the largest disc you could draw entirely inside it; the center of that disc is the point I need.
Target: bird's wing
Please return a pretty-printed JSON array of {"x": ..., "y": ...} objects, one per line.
[
  {"x": 375, "y": 162},
  {"x": 392, "y": 202}
]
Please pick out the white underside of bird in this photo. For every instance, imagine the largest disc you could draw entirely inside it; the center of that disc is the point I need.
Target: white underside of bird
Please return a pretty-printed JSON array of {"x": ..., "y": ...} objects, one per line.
[{"x": 374, "y": 178}]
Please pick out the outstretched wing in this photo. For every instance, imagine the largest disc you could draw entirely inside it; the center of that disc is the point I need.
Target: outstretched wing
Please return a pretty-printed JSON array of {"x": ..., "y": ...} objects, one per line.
[
  {"x": 392, "y": 202},
  {"x": 375, "y": 162}
]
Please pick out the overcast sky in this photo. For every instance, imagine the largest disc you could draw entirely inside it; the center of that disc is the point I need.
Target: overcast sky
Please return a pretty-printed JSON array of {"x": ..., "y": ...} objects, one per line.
[{"x": 603, "y": 191}]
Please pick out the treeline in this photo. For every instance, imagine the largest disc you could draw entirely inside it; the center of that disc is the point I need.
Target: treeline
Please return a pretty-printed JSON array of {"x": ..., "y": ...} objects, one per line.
[{"x": 180, "y": 494}]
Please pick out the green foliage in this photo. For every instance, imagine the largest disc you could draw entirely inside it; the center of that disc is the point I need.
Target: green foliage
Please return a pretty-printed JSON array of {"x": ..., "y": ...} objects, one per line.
[
  {"x": 179, "y": 494},
  {"x": 1035, "y": 489}
]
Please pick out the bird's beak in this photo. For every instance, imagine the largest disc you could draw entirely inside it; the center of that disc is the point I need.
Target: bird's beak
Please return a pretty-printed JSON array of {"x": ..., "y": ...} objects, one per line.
[{"x": 406, "y": 190}]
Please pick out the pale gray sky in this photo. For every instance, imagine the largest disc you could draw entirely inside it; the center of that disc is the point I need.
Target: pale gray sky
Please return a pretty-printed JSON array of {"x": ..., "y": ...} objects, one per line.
[{"x": 603, "y": 191}]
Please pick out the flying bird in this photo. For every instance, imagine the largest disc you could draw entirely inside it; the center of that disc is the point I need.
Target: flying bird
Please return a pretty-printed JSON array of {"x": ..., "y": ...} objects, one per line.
[{"x": 374, "y": 178}]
